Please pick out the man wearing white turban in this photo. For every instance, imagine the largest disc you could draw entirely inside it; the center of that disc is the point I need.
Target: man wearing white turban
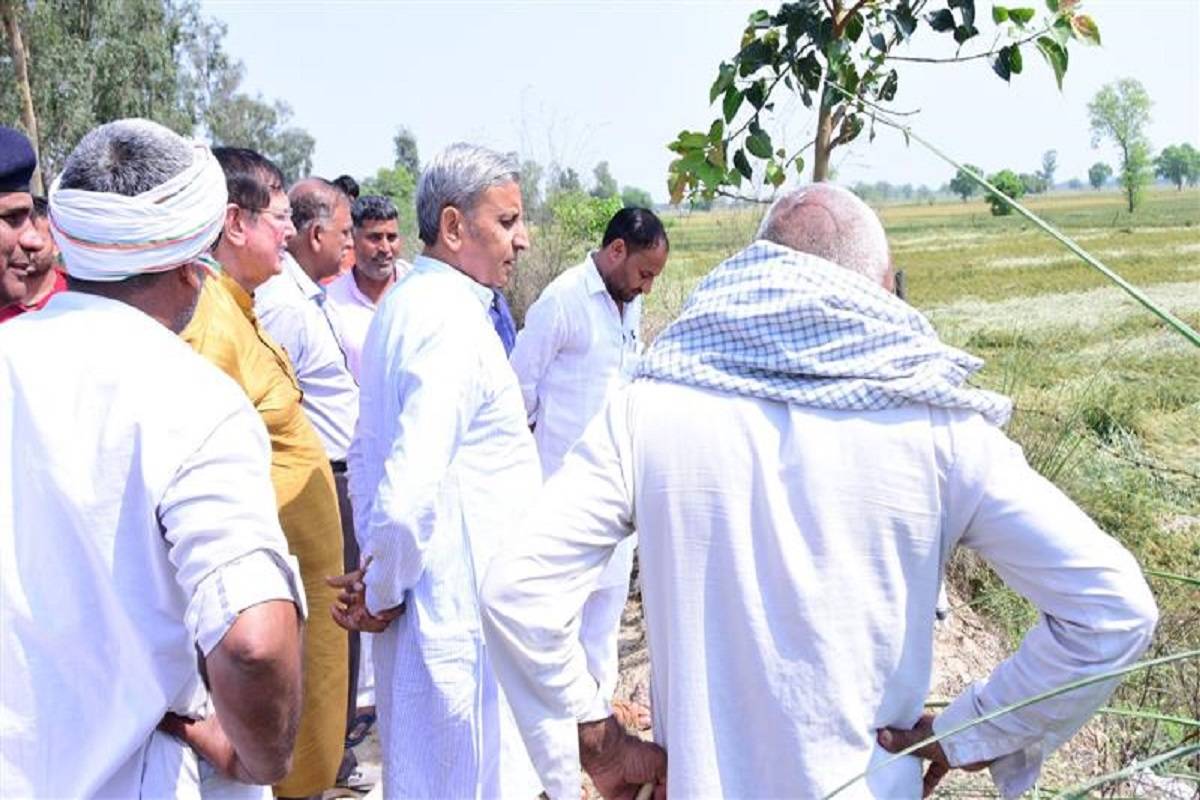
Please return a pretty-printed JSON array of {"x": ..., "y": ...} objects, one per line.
[{"x": 137, "y": 519}]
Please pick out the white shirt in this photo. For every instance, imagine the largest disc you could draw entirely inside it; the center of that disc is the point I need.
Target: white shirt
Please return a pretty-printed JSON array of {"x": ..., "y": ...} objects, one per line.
[
  {"x": 291, "y": 307},
  {"x": 575, "y": 350},
  {"x": 790, "y": 563},
  {"x": 441, "y": 466},
  {"x": 137, "y": 520},
  {"x": 352, "y": 313}
]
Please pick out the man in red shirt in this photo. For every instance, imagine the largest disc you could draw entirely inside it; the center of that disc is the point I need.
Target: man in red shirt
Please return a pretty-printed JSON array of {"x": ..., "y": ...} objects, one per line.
[{"x": 41, "y": 276}]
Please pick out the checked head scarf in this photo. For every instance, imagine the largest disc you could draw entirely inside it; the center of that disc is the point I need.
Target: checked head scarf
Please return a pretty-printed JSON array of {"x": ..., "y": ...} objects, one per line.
[{"x": 781, "y": 325}]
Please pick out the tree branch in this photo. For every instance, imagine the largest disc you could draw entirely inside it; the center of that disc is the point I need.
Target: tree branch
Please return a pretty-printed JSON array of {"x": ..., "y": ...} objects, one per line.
[
  {"x": 742, "y": 197},
  {"x": 956, "y": 59}
]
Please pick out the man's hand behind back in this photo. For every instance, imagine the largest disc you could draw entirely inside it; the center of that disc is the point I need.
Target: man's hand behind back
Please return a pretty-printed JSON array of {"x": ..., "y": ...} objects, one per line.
[
  {"x": 896, "y": 740},
  {"x": 620, "y": 764}
]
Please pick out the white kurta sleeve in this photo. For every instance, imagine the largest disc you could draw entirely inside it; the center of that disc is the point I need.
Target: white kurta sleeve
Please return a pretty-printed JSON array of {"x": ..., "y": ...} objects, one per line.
[
  {"x": 441, "y": 389},
  {"x": 537, "y": 344},
  {"x": 220, "y": 523},
  {"x": 1097, "y": 611},
  {"x": 535, "y": 590}
]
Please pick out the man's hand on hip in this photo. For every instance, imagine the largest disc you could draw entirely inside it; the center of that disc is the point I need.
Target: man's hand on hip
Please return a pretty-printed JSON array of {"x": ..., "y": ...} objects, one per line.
[
  {"x": 896, "y": 740},
  {"x": 620, "y": 764}
]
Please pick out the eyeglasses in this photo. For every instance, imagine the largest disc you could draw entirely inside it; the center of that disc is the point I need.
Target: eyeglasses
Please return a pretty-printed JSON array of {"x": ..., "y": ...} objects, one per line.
[{"x": 281, "y": 216}]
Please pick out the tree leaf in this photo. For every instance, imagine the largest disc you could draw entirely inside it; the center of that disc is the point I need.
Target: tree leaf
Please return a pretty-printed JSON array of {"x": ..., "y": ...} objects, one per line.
[
  {"x": 800, "y": 165},
  {"x": 759, "y": 144},
  {"x": 742, "y": 164},
  {"x": 1021, "y": 16},
  {"x": 878, "y": 42},
  {"x": 716, "y": 131},
  {"x": 756, "y": 93},
  {"x": 854, "y": 27},
  {"x": 999, "y": 14},
  {"x": 1055, "y": 55},
  {"x": 1000, "y": 64},
  {"x": 775, "y": 175},
  {"x": 731, "y": 104},
  {"x": 941, "y": 20},
  {"x": 725, "y": 75},
  {"x": 1085, "y": 28},
  {"x": 759, "y": 18},
  {"x": 1014, "y": 59},
  {"x": 888, "y": 90},
  {"x": 967, "y": 9},
  {"x": 965, "y": 32}
]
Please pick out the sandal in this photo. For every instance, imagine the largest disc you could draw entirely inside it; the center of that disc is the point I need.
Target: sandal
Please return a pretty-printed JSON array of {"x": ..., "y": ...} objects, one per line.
[{"x": 359, "y": 729}]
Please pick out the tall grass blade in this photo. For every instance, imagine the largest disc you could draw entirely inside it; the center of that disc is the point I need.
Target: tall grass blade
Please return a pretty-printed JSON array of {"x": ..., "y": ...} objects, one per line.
[{"x": 1080, "y": 790}]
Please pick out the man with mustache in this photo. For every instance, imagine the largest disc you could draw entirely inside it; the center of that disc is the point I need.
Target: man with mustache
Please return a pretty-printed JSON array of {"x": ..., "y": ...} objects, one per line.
[{"x": 354, "y": 296}]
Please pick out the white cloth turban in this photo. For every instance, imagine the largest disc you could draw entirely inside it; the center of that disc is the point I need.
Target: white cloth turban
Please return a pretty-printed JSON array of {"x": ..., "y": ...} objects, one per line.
[{"x": 110, "y": 237}]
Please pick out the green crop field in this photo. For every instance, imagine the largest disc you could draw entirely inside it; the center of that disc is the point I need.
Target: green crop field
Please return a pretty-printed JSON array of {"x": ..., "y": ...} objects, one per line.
[{"x": 1107, "y": 397}]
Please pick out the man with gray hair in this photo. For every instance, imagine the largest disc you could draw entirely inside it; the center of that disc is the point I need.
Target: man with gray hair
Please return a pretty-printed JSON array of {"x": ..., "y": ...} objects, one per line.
[
  {"x": 441, "y": 466},
  {"x": 800, "y": 457},
  {"x": 143, "y": 532}
]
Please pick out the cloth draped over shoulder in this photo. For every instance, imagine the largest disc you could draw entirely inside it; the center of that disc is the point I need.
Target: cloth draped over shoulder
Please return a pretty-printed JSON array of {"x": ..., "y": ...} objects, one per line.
[
  {"x": 777, "y": 324},
  {"x": 111, "y": 237}
]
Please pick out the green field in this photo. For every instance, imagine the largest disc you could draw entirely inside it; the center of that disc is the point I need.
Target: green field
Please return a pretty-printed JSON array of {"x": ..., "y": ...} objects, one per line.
[{"x": 1107, "y": 397}]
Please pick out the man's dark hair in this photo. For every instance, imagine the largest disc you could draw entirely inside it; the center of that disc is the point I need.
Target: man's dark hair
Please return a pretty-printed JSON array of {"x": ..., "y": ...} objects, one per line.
[
  {"x": 347, "y": 185},
  {"x": 250, "y": 177},
  {"x": 41, "y": 207},
  {"x": 371, "y": 208},
  {"x": 639, "y": 228}
]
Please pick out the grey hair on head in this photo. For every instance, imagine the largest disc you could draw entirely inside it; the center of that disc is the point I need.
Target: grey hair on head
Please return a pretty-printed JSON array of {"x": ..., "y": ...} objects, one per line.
[
  {"x": 457, "y": 177},
  {"x": 832, "y": 223},
  {"x": 314, "y": 200},
  {"x": 126, "y": 157}
]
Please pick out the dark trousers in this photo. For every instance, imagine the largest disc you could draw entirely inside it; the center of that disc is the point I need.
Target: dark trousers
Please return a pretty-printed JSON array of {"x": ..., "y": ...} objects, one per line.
[{"x": 350, "y": 557}]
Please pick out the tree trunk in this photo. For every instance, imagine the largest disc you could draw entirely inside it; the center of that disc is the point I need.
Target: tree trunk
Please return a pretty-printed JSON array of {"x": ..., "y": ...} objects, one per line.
[
  {"x": 8, "y": 8},
  {"x": 823, "y": 145}
]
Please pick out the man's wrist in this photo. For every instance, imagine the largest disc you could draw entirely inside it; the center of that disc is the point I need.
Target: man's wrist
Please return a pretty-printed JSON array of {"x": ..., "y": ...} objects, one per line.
[{"x": 600, "y": 743}]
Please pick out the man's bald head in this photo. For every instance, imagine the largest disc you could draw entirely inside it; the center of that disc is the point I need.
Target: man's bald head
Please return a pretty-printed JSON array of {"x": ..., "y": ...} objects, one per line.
[
  {"x": 830, "y": 222},
  {"x": 321, "y": 216}
]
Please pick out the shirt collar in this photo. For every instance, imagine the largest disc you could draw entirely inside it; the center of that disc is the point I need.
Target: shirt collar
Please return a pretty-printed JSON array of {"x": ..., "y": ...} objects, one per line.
[
  {"x": 296, "y": 272},
  {"x": 244, "y": 299},
  {"x": 592, "y": 277},
  {"x": 484, "y": 294}
]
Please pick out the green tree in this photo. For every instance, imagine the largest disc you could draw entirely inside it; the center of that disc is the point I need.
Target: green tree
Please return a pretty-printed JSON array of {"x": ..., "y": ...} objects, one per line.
[
  {"x": 405, "y": 145},
  {"x": 400, "y": 186},
  {"x": 1178, "y": 163},
  {"x": 239, "y": 120},
  {"x": 856, "y": 46},
  {"x": 90, "y": 62},
  {"x": 1010, "y": 184},
  {"x": 563, "y": 181},
  {"x": 633, "y": 197},
  {"x": 1034, "y": 182},
  {"x": 606, "y": 184},
  {"x": 963, "y": 185},
  {"x": 1120, "y": 111},
  {"x": 1049, "y": 167},
  {"x": 1098, "y": 174}
]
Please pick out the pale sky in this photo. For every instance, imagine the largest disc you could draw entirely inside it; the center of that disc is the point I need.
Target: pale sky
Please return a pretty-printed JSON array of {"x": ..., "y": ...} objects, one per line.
[{"x": 581, "y": 82}]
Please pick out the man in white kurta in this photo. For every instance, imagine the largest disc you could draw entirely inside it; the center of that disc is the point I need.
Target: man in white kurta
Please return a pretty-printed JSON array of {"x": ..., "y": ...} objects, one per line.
[
  {"x": 441, "y": 465},
  {"x": 800, "y": 461},
  {"x": 580, "y": 343},
  {"x": 137, "y": 518}
]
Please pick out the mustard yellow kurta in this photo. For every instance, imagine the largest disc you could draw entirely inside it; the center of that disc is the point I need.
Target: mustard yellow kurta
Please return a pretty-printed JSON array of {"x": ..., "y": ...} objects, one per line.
[{"x": 225, "y": 331}]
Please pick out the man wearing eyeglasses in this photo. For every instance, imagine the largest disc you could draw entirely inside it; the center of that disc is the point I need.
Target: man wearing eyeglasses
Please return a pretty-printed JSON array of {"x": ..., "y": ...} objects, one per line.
[{"x": 227, "y": 332}]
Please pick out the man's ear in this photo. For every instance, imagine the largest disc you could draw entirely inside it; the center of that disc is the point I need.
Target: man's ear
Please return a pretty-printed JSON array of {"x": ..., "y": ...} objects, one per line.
[
  {"x": 193, "y": 275},
  {"x": 315, "y": 236},
  {"x": 235, "y": 225},
  {"x": 451, "y": 227}
]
